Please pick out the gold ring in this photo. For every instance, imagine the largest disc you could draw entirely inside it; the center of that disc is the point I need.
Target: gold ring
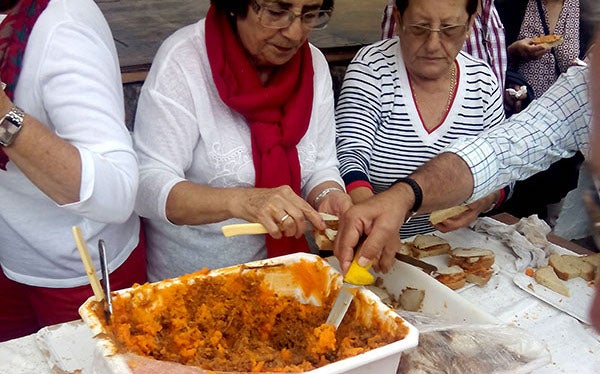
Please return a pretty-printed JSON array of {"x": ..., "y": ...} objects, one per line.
[{"x": 284, "y": 218}]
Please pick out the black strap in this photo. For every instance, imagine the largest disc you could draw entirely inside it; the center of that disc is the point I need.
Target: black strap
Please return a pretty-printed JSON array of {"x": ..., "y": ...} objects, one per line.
[
  {"x": 416, "y": 190},
  {"x": 547, "y": 32}
]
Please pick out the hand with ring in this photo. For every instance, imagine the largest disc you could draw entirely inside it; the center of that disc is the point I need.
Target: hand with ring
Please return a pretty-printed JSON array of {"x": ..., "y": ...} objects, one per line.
[{"x": 280, "y": 210}]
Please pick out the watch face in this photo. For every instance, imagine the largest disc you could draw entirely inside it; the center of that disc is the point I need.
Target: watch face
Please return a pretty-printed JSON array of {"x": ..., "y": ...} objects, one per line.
[
  {"x": 8, "y": 129},
  {"x": 10, "y": 126}
]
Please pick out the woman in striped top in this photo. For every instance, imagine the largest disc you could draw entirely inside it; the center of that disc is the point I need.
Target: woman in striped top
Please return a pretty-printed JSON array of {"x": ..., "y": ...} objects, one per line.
[{"x": 404, "y": 99}]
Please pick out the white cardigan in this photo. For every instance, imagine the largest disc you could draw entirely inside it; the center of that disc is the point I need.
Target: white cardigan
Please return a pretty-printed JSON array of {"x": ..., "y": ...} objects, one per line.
[
  {"x": 183, "y": 131},
  {"x": 71, "y": 82}
]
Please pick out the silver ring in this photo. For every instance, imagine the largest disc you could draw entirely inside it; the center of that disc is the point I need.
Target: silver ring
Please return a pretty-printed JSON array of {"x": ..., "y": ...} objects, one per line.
[{"x": 284, "y": 218}]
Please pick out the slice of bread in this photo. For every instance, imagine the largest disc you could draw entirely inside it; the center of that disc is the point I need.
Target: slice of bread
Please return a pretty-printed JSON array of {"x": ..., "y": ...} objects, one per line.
[
  {"x": 429, "y": 245},
  {"x": 452, "y": 276},
  {"x": 411, "y": 299},
  {"x": 406, "y": 249},
  {"x": 548, "y": 41},
  {"x": 324, "y": 238},
  {"x": 571, "y": 266},
  {"x": 547, "y": 277},
  {"x": 472, "y": 259},
  {"x": 441, "y": 215},
  {"x": 594, "y": 260},
  {"x": 480, "y": 277}
]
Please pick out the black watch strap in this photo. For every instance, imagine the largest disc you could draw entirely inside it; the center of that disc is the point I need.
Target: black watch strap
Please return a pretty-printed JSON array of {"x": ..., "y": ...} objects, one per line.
[{"x": 416, "y": 190}]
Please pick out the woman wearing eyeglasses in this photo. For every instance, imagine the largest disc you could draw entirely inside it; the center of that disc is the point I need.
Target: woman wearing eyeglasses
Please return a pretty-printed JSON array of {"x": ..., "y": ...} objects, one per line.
[
  {"x": 404, "y": 99},
  {"x": 235, "y": 123}
]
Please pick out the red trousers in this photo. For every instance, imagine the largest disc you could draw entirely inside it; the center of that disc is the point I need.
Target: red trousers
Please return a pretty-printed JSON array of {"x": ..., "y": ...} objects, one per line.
[{"x": 25, "y": 309}]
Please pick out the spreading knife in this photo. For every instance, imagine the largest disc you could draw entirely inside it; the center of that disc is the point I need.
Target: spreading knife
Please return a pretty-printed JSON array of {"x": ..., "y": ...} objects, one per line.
[{"x": 427, "y": 267}]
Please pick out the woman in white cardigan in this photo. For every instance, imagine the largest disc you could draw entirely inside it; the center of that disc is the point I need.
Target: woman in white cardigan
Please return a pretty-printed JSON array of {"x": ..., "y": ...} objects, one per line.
[
  {"x": 68, "y": 161},
  {"x": 235, "y": 123}
]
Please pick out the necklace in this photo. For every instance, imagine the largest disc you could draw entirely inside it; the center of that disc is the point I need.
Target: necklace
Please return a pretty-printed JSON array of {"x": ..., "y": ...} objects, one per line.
[
  {"x": 449, "y": 96},
  {"x": 452, "y": 86}
]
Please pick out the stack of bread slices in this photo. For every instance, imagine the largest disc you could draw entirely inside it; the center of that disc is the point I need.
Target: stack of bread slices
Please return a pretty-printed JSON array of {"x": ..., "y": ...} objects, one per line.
[
  {"x": 476, "y": 263},
  {"x": 473, "y": 265}
]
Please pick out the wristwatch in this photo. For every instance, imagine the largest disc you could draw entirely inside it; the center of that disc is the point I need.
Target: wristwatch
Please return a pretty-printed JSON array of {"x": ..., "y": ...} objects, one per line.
[{"x": 10, "y": 125}]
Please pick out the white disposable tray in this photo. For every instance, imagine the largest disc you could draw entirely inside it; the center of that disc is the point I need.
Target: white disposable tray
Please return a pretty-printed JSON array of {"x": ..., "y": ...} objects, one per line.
[
  {"x": 439, "y": 300},
  {"x": 68, "y": 347},
  {"x": 577, "y": 304},
  {"x": 381, "y": 360}
]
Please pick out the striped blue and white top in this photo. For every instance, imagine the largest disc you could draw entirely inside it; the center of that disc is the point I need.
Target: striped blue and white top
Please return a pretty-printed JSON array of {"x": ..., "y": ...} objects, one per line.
[{"x": 380, "y": 135}]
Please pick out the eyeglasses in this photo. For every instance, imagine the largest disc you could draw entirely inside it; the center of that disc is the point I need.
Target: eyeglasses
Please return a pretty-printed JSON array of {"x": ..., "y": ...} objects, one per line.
[
  {"x": 274, "y": 17},
  {"x": 448, "y": 32}
]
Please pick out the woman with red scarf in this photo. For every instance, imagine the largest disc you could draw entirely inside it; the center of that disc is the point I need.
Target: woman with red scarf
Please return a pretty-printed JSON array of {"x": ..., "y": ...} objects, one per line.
[
  {"x": 67, "y": 160},
  {"x": 235, "y": 123}
]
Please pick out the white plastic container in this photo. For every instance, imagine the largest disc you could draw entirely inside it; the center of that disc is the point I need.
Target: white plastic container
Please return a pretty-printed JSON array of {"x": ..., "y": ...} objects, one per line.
[{"x": 380, "y": 360}]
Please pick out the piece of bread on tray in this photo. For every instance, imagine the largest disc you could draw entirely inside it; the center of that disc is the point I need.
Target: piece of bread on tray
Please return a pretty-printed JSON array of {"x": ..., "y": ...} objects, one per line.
[
  {"x": 429, "y": 245},
  {"x": 594, "y": 260},
  {"x": 547, "y": 277},
  {"x": 571, "y": 266},
  {"x": 438, "y": 216},
  {"x": 452, "y": 276},
  {"x": 548, "y": 41},
  {"x": 479, "y": 277},
  {"x": 472, "y": 259},
  {"x": 411, "y": 299}
]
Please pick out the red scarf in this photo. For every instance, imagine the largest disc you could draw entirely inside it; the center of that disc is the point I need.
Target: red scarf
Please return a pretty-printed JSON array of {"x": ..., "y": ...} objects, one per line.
[
  {"x": 14, "y": 33},
  {"x": 278, "y": 113}
]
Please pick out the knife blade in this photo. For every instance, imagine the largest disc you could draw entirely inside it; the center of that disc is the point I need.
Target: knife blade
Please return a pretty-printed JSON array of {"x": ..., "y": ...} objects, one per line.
[
  {"x": 427, "y": 267},
  {"x": 105, "y": 280},
  {"x": 341, "y": 304},
  {"x": 356, "y": 277}
]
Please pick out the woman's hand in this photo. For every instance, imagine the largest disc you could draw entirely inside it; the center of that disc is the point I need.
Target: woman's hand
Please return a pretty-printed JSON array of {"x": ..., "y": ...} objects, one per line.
[
  {"x": 336, "y": 202},
  {"x": 466, "y": 218},
  {"x": 525, "y": 49},
  {"x": 280, "y": 210}
]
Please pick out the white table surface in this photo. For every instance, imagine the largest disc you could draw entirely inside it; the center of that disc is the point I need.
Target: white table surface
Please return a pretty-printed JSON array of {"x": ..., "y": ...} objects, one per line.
[{"x": 574, "y": 346}]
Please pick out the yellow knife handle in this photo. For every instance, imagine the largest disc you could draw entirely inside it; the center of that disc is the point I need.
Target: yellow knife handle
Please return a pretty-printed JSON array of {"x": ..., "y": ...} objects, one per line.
[
  {"x": 357, "y": 274},
  {"x": 243, "y": 229}
]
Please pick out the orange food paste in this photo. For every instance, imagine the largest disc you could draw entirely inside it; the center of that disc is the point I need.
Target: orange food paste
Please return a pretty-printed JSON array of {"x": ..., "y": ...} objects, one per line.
[{"x": 236, "y": 322}]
